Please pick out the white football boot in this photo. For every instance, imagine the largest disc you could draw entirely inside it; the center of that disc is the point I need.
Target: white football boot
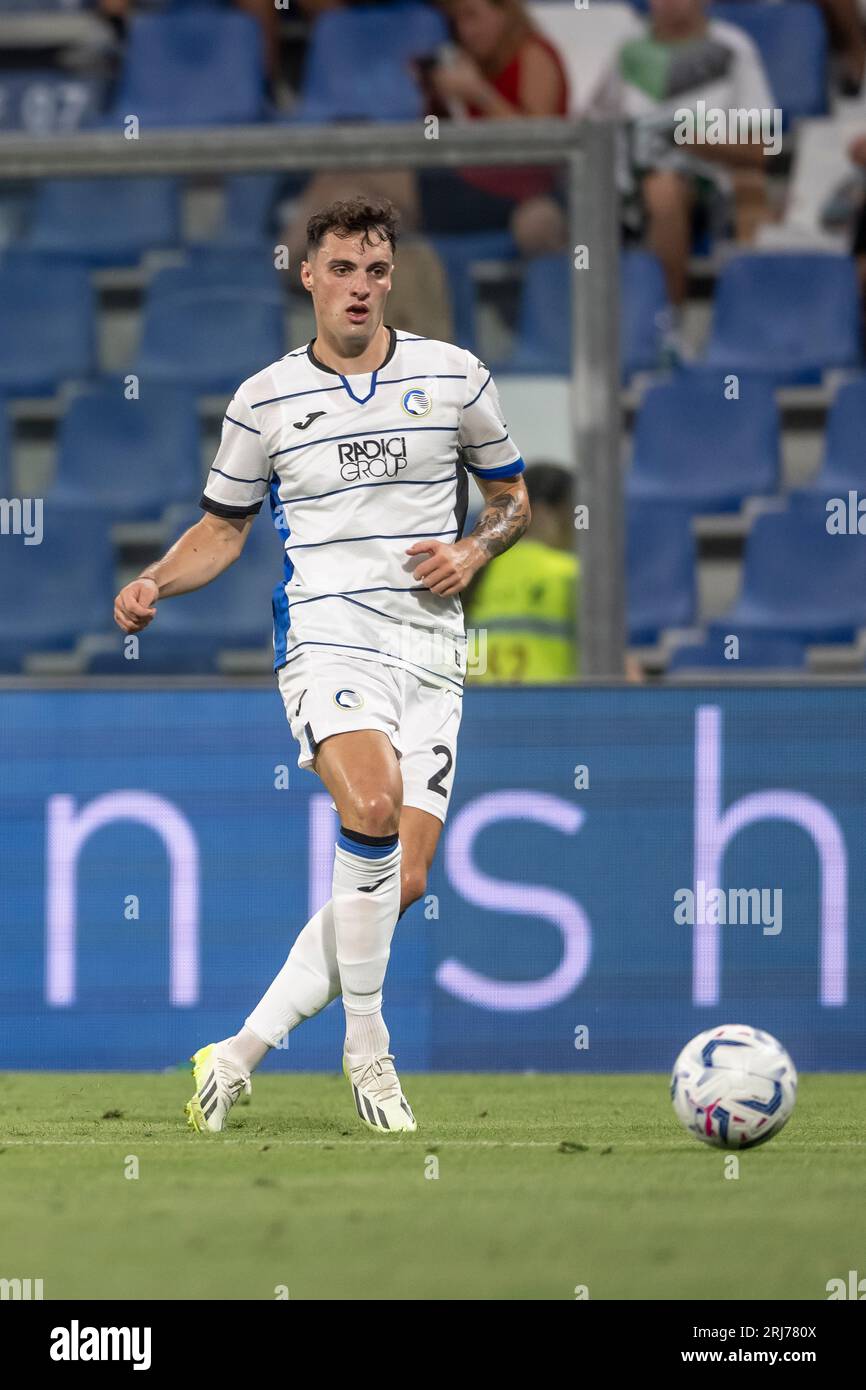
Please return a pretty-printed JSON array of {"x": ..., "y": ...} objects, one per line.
[
  {"x": 379, "y": 1098},
  {"x": 219, "y": 1082}
]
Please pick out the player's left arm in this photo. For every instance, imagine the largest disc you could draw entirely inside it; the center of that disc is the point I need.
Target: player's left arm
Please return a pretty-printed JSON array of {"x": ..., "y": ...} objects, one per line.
[{"x": 449, "y": 568}]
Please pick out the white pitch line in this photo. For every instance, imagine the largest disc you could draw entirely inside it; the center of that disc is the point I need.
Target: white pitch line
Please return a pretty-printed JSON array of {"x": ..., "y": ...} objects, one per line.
[
  {"x": 260, "y": 1140},
  {"x": 291, "y": 1143}
]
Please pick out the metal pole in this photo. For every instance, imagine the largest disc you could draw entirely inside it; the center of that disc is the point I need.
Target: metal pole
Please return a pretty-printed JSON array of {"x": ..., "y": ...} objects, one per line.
[
  {"x": 271, "y": 148},
  {"x": 594, "y": 224}
]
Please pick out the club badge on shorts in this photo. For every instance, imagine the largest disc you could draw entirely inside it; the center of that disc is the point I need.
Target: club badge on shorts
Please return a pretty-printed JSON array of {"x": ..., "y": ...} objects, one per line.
[{"x": 348, "y": 699}]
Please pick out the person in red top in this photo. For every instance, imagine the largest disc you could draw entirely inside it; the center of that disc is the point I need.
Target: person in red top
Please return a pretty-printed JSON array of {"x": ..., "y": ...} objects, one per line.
[{"x": 501, "y": 69}]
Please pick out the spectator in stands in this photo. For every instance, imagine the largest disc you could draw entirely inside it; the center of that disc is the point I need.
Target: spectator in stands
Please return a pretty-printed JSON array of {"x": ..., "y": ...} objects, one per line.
[
  {"x": 681, "y": 59},
  {"x": 857, "y": 155},
  {"x": 502, "y": 68},
  {"x": 848, "y": 38},
  {"x": 847, "y": 34},
  {"x": 526, "y": 600}
]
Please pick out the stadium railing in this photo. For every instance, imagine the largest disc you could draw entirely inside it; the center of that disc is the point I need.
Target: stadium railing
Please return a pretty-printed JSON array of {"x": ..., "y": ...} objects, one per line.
[{"x": 585, "y": 148}]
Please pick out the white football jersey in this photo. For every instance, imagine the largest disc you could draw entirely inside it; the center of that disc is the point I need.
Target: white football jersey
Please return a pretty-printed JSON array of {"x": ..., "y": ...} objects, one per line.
[{"x": 358, "y": 468}]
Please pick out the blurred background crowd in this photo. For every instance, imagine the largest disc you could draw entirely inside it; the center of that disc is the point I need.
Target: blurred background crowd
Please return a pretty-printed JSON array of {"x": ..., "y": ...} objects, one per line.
[{"x": 131, "y": 308}]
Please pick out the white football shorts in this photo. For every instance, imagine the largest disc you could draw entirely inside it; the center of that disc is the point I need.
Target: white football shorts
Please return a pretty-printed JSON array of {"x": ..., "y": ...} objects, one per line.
[{"x": 327, "y": 694}]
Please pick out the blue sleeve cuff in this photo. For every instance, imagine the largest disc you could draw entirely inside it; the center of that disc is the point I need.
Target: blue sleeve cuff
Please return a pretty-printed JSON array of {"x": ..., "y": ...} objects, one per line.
[{"x": 508, "y": 470}]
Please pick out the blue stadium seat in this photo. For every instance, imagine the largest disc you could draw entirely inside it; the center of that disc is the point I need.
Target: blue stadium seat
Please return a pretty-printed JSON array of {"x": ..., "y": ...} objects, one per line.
[
  {"x": 5, "y": 451},
  {"x": 359, "y": 63},
  {"x": 211, "y": 340},
  {"x": 222, "y": 268},
  {"x": 128, "y": 459},
  {"x": 757, "y": 651},
  {"x": 233, "y": 612},
  {"x": 249, "y": 199},
  {"x": 791, "y": 316},
  {"x": 45, "y": 101},
  {"x": 800, "y": 581},
  {"x": 47, "y": 328},
  {"x": 62, "y": 587},
  {"x": 844, "y": 463},
  {"x": 252, "y": 207},
  {"x": 643, "y": 307},
  {"x": 793, "y": 45},
  {"x": 18, "y": 5},
  {"x": 107, "y": 221},
  {"x": 458, "y": 253},
  {"x": 544, "y": 321},
  {"x": 195, "y": 67},
  {"x": 660, "y": 569},
  {"x": 693, "y": 445}
]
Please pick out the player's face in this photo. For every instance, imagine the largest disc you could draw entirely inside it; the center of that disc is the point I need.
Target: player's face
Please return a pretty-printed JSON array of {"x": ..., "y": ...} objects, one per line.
[
  {"x": 480, "y": 26},
  {"x": 349, "y": 279}
]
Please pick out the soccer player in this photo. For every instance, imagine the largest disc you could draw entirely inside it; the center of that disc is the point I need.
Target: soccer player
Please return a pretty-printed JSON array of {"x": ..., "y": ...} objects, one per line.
[{"x": 361, "y": 440}]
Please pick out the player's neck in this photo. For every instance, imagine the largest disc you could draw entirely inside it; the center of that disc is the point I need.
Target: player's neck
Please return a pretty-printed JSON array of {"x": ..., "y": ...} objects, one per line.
[{"x": 330, "y": 353}]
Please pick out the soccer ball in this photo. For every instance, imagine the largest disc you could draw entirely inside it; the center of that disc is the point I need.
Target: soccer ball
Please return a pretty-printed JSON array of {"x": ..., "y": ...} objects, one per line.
[{"x": 734, "y": 1086}]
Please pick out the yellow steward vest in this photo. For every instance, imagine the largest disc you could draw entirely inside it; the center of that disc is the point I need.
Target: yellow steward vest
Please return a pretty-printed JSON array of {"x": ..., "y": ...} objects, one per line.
[{"x": 526, "y": 602}]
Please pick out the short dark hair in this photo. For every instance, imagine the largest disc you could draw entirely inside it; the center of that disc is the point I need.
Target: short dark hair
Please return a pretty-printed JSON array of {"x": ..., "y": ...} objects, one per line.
[
  {"x": 550, "y": 484},
  {"x": 352, "y": 215}
]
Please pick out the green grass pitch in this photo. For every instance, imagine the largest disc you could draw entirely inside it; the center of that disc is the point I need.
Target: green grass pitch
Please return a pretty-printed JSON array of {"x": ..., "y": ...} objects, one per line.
[{"x": 544, "y": 1183}]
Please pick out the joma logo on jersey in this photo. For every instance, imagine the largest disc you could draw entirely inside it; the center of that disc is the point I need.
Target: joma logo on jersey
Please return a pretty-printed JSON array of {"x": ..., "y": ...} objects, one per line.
[{"x": 372, "y": 458}]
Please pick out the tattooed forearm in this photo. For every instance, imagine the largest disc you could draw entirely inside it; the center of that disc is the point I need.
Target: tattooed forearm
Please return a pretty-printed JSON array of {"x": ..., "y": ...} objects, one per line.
[{"x": 503, "y": 520}]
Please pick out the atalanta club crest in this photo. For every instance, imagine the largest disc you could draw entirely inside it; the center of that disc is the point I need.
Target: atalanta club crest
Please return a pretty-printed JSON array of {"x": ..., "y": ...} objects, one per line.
[
  {"x": 417, "y": 402},
  {"x": 348, "y": 699}
]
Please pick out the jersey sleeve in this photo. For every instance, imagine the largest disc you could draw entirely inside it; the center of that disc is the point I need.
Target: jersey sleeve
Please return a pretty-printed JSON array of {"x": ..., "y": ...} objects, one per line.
[
  {"x": 489, "y": 450},
  {"x": 237, "y": 483}
]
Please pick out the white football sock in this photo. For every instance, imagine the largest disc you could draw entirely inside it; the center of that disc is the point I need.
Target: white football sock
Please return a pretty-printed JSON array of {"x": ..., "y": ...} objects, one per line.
[
  {"x": 307, "y": 982},
  {"x": 366, "y": 1034},
  {"x": 246, "y": 1049},
  {"x": 366, "y": 904}
]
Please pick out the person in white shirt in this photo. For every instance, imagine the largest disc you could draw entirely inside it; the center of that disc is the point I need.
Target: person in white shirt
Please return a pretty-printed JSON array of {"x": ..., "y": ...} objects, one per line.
[
  {"x": 362, "y": 441},
  {"x": 685, "y": 61}
]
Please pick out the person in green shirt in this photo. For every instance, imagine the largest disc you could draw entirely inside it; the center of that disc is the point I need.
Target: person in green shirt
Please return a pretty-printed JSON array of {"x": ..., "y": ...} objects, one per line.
[{"x": 525, "y": 601}]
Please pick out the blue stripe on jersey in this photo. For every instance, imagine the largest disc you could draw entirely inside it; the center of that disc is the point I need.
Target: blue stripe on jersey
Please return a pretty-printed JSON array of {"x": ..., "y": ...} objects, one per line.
[
  {"x": 507, "y": 470},
  {"x": 241, "y": 425},
  {"x": 368, "y": 606},
  {"x": 280, "y": 608},
  {"x": 349, "y": 646},
  {"x": 231, "y": 476},
  {"x": 362, "y": 434},
  {"x": 350, "y": 540},
  {"x": 292, "y": 395},
  {"x": 388, "y": 482},
  {"x": 478, "y": 392},
  {"x": 279, "y": 601},
  {"x": 281, "y": 526},
  {"x": 383, "y": 381},
  {"x": 486, "y": 445},
  {"x": 422, "y": 376},
  {"x": 377, "y": 589}
]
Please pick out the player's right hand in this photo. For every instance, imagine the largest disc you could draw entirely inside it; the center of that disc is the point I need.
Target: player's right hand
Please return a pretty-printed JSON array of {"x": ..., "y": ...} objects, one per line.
[{"x": 134, "y": 606}]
